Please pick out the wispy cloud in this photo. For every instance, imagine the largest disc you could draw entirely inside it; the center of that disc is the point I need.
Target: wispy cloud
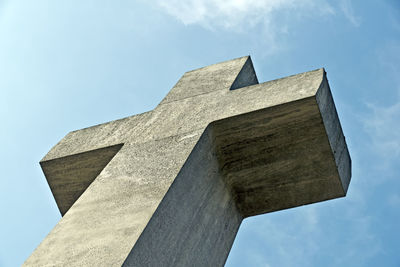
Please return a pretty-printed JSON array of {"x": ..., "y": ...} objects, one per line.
[
  {"x": 384, "y": 128},
  {"x": 234, "y": 14},
  {"x": 290, "y": 235},
  {"x": 308, "y": 234},
  {"x": 271, "y": 18},
  {"x": 347, "y": 8},
  {"x": 383, "y": 122}
]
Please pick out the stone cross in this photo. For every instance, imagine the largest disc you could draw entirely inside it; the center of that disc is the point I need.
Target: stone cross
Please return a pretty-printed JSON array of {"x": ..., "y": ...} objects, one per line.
[{"x": 170, "y": 187}]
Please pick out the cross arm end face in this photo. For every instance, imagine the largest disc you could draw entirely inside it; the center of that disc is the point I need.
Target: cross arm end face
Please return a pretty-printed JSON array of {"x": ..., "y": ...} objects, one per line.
[
  {"x": 68, "y": 177},
  {"x": 285, "y": 155},
  {"x": 74, "y": 162}
]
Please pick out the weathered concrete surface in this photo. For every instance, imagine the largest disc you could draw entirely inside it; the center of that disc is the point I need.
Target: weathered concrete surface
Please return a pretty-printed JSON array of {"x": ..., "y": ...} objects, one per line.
[
  {"x": 197, "y": 221},
  {"x": 170, "y": 187}
]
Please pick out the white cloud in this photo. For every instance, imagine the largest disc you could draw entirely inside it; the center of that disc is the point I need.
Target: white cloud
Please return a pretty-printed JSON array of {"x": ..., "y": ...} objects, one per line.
[
  {"x": 226, "y": 14},
  {"x": 348, "y": 11},
  {"x": 270, "y": 18},
  {"x": 234, "y": 14}
]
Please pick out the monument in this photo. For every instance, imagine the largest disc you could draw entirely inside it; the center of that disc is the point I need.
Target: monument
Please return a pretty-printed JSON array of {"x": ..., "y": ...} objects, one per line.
[{"x": 170, "y": 187}]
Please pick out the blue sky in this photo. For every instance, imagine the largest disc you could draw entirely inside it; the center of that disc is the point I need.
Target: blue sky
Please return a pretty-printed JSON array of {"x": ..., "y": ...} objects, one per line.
[{"x": 66, "y": 65}]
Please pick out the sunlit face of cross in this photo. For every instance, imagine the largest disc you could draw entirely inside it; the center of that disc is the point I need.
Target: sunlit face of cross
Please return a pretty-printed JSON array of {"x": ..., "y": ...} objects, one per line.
[{"x": 172, "y": 185}]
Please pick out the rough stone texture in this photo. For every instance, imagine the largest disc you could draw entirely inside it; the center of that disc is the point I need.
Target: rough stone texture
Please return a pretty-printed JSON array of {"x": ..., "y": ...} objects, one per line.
[
  {"x": 197, "y": 221},
  {"x": 170, "y": 187}
]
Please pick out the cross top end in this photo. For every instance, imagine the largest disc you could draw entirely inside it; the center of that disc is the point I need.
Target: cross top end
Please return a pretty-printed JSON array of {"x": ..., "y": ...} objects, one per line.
[{"x": 232, "y": 74}]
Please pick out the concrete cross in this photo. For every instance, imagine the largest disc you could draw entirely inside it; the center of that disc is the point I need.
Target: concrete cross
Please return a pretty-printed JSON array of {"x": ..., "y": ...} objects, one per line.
[{"x": 170, "y": 187}]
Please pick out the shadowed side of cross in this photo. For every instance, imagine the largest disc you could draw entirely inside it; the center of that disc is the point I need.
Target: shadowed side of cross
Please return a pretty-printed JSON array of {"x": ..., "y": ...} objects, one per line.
[{"x": 170, "y": 187}]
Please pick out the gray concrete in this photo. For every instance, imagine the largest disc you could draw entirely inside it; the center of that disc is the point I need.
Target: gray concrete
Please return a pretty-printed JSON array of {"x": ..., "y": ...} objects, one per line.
[{"x": 170, "y": 187}]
